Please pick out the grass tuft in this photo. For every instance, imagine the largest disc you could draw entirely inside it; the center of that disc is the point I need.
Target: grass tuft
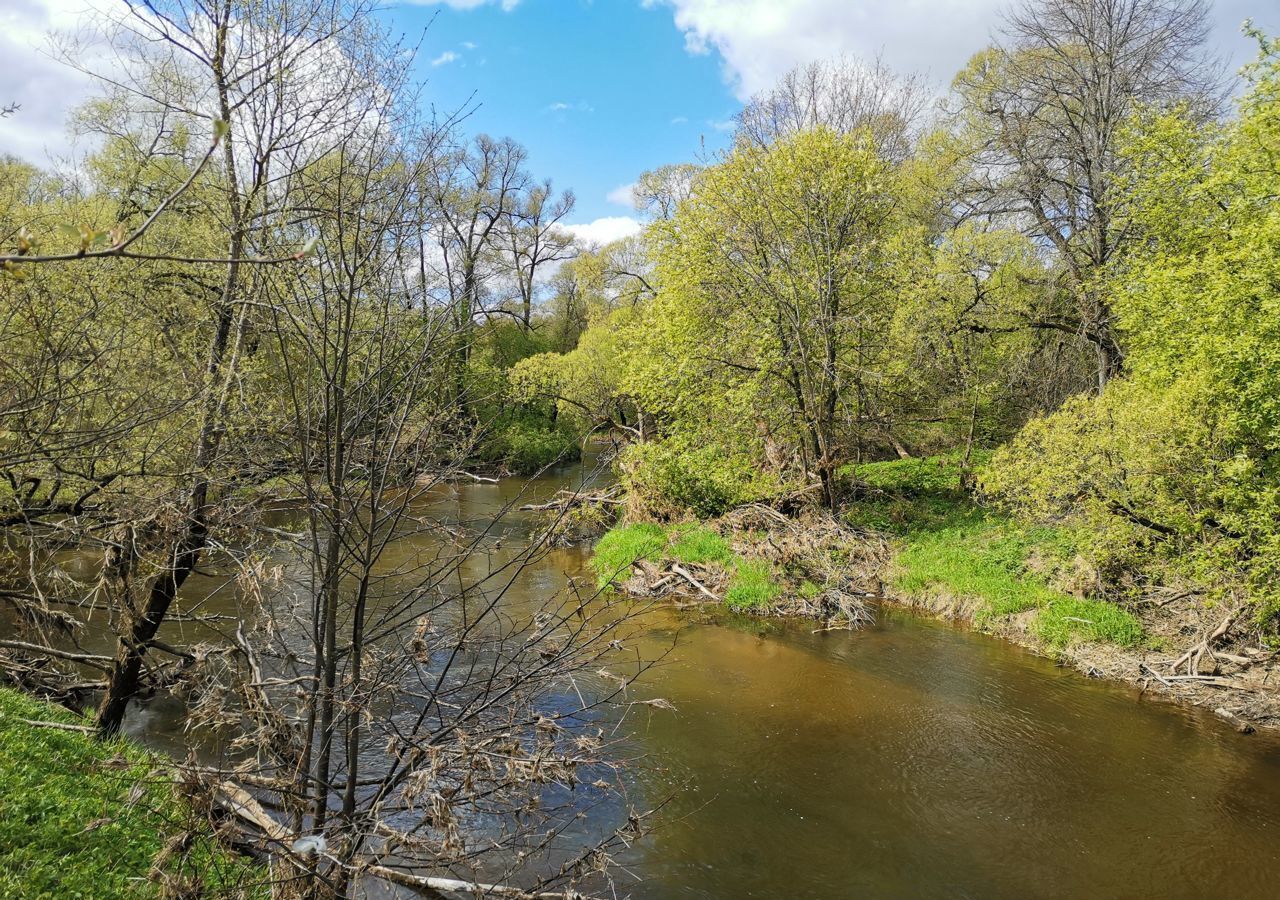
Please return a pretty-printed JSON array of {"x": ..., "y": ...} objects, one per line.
[
  {"x": 752, "y": 585},
  {"x": 699, "y": 545},
  {"x": 1070, "y": 619}
]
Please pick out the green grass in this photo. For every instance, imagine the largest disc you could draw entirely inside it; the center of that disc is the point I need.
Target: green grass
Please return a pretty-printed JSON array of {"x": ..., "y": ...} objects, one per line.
[
  {"x": 622, "y": 546},
  {"x": 84, "y": 819},
  {"x": 698, "y": 545},
  {"x": 1070, "y": 619},
  {"x": 950, "y": 545},
  {"x": 983, "y": 561},
  {"x": 752, "y": 585}
]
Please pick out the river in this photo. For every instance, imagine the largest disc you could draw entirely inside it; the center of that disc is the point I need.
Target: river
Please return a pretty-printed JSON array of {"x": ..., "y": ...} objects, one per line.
[{"x": 908, "y": 759}]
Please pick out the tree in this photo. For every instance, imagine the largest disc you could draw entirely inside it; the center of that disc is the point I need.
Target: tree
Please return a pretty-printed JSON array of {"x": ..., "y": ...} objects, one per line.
[
  {"x": 774, "y": 295},
  {"x": 1176, "y": 461},
  {"x": 1042, "y": 114},
  {"x": 844, "y": 95},
  {"x": 536, "y": 239}
]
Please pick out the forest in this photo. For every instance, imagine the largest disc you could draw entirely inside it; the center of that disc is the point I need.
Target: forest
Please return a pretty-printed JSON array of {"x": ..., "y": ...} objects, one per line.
[{"x": 1006, "y": 350}]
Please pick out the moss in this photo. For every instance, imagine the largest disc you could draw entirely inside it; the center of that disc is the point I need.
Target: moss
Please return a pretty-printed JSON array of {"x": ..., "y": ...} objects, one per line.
[{"x": 83, "y": 818}]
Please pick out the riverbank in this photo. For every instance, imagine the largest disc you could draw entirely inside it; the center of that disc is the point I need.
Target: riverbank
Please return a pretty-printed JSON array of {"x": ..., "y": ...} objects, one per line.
[
  {"x": 84, "y": 818},
  {"x": 912, "y": 537}
]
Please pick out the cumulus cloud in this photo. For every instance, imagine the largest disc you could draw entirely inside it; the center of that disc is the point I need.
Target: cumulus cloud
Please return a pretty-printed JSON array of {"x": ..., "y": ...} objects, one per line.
[
  {"x": 605, "y": 230},
  {"x": 623, "y": 195},
  {"x": 45, "y": 89},
  {"x": 445, "y": 58},
  {"x": 760, "y": 40}
]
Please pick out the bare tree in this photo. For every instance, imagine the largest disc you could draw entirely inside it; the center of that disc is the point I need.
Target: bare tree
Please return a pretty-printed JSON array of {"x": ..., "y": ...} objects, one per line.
[
  {"x": 843, "y": 94},
  {"x": 535, "y": 239},
  {"x": 1045, "y": 110},
  {"x": 474, "y": 189}
]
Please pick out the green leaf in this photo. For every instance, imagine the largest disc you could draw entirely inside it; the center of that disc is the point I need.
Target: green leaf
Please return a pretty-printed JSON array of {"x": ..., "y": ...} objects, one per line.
[{"x": 220, "y": 129}]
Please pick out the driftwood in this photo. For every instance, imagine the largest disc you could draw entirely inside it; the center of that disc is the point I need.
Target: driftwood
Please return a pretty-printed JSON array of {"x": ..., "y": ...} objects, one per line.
[
  {"x": 685, "y": 574},
  {"x": 242, "y": 805},
  {"x": 566, "y": 499},
  {"x": 1196, "y": 654},
  {"x": 455, "y": 886}
]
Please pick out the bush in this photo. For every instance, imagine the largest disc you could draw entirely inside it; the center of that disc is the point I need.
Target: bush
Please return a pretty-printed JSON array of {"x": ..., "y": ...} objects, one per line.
[
  {"x": 527, "y": 445},
  {"x": 667, "y": 480}
]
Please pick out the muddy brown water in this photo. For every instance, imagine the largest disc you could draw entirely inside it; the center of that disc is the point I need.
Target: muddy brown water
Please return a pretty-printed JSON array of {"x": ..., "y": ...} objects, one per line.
[{"x": 909, "y": 759}]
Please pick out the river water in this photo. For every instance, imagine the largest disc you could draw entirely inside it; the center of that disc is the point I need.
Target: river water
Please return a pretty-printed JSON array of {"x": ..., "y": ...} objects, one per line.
[{"x": 908, "y": 759}]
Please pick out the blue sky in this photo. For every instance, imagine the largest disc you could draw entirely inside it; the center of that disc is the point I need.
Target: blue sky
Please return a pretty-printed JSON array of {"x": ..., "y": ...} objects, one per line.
[
  {"x": 601, "y": 90},
  {"x": 597, "y": 90}
]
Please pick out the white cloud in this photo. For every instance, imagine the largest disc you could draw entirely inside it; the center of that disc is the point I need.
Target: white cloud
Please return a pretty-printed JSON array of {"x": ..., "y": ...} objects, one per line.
[
  {"x": 560, "y": 106},
  {"x": 759, "y": 40},
  {"x": 445, "y": 58},
  {"x": 605, "y": 230},
  {"x": 679, "y": 120},
  {"x": 507, "y": 5},
  {"x": 469, "y": 45},
  {"x": 623, "y": 195},
  {"x": 46, "y": 89}
]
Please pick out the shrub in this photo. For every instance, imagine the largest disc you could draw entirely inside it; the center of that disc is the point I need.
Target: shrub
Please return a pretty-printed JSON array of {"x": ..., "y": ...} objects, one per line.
[
  {"x": 667, "y": 480},
  {"x": 526, "y": 445}
]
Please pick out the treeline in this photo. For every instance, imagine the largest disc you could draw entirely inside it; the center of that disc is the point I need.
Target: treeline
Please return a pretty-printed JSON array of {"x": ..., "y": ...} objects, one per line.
[{"x": 1072, "y": 257}]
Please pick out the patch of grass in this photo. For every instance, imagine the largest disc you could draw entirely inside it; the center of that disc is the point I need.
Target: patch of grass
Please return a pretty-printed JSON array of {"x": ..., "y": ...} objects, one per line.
[
  {"x": 87, "y": 819},
  {"x": 809, "y": 590},
  {"x": 752, "y": 585},
  {"x": 978, "y": 561},
  {"x": 622, "y": 546},
  {"x": 699, "y": 545},
  {"x": 902, "y": 496},
  {"x": 919, "y": 475},
  {"x": 950, "y": 544},
  {"x": 1069, "y": 619}
]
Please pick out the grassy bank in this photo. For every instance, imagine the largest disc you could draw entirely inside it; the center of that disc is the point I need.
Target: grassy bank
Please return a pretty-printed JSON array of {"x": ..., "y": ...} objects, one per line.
[
  {"x": 749, "y": 584},
  {"x": 944, "y": 551},
  {"x": 949, "y": 549},
  {"x": 86, "y": 819}
]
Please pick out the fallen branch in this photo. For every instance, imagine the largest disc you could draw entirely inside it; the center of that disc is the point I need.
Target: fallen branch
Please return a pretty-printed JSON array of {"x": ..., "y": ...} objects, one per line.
[
  {"x": 61, "y": 726},
  {"x": 454, "y": 885},
  {"x": 702, "y": 588},
  {"x": 1193, "y": 656}
]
